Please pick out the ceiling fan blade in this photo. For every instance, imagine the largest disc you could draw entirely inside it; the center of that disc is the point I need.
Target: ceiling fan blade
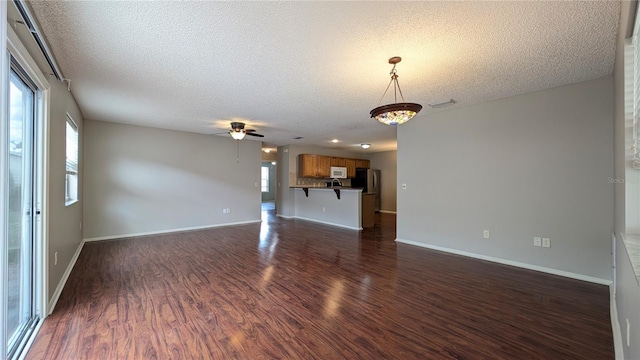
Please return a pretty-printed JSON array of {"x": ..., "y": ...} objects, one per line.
[
  {"x": 249, "y": 130},
  {"x": 254, "y": 134}
]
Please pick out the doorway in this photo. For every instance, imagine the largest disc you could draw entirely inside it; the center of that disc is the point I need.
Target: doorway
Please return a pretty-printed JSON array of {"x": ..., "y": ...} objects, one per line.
[{"x": 268, "y": 185}]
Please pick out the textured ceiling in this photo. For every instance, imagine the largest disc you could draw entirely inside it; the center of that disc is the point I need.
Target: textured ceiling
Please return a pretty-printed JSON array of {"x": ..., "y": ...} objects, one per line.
[{"x": 315, "y": 69}]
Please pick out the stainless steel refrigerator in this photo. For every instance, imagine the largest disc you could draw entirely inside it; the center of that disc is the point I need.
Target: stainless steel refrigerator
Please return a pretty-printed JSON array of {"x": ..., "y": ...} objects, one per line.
[{"x": 369, "y": 179}]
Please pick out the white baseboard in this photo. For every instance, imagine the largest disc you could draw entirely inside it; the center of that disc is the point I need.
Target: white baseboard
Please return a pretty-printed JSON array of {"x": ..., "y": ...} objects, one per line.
[
  {"x": 63, "y": 281},
  {"x": 328, "y": 223},
  {"x": 510, "y": 262},
  {"x": 387, "y": 212},
  {"x": 124, "y": 236}
]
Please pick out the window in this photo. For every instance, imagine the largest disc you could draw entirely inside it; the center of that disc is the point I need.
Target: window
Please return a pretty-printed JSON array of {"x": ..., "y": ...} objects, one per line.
[
  {"x": 71, "y": 182},
  {"x": 264, "y": 179}
]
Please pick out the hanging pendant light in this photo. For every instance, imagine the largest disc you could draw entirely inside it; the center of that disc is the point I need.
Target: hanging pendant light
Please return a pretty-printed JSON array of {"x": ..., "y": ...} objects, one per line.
[{"x": 396, "y": 113}]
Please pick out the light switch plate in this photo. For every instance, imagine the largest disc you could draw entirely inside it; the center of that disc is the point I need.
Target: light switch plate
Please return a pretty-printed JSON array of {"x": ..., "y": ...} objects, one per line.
[{"x": 546, "y": 242}]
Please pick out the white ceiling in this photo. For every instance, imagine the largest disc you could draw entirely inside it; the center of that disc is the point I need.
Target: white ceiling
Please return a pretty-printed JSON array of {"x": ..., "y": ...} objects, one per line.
[{"x": 315, "y": 69}]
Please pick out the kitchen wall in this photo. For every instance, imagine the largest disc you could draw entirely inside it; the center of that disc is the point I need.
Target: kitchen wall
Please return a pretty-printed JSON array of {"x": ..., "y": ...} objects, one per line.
[
  {"x": 387, "y": 162},
  {"x": 627, "y": 288},
  {"x": 531, "y": 165},
  {"x": 64, "y": 234},
  {"x": 144, "y": 180}
]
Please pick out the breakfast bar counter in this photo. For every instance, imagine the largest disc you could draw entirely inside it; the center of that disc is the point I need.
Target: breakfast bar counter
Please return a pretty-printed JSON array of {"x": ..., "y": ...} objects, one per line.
[{"x": 337, "y": 206}]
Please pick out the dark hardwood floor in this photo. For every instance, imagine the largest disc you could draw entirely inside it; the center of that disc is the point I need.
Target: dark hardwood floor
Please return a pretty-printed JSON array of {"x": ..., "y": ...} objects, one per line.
[{"x": 288, "y": 289}]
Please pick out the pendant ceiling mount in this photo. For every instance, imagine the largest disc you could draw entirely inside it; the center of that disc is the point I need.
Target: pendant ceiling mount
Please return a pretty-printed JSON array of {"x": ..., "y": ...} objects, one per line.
[{"x": 396, "y": 113}]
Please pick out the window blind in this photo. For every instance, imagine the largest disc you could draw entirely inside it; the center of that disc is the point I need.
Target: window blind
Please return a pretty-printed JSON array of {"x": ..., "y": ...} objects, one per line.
[{"x": 72, "y": 148}]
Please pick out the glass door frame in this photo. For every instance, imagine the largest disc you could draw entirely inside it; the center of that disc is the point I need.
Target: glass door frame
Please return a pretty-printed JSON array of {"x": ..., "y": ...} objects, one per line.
[{"x": 15, "y": 50}]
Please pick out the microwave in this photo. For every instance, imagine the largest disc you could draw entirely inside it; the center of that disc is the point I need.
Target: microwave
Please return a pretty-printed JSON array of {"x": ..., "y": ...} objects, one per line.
[{"x": 338, "y": 172}]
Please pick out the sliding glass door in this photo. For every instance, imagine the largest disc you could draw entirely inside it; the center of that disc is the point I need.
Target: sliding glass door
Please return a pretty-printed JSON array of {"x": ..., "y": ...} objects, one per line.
[{"x": 20, "y": 210}]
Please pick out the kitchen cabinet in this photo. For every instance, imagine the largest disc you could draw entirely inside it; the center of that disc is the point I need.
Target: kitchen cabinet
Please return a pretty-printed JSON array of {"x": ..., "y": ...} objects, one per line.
[
  {"x": 314, "y": 166},
  {"x": 338, "y": 161},
  {"x": 324, "y": 166},
  {"x": 350, "y": 164},
  {"x": 362, "y": 164},
  {"x": 319, "y": 166},
  {"x": 368, "y": 210},
  {"x": 307, "y": 165}
]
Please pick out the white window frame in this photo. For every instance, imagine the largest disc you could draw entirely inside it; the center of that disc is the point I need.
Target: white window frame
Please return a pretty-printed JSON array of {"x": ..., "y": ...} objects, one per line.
[
  {"x": 71, "y": 175},
  {"x": 262, "y": 179}
]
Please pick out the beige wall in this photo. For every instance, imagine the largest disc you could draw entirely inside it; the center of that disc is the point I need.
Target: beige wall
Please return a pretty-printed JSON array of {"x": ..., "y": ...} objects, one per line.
[
  {"x": 144, "y": 180},
  {"x": 65, "y": 234},
  {"x": 531, "y": 165}
]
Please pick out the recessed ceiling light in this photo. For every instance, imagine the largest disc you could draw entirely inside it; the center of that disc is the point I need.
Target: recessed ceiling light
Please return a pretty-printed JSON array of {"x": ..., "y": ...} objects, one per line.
[
  {"x": 365, "y": 146},
  {"x": 334, "y": 141},
  {"x": 267, "y": 150}
]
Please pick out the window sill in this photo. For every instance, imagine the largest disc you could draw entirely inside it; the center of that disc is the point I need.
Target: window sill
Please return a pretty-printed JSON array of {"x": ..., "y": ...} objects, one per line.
[
  {"x": 632, "y": 243},
  {"x": 70, "y": 202}
]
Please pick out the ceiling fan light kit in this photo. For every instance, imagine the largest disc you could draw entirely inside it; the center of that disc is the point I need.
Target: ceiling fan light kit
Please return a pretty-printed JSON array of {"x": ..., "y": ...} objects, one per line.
[
  {"x": 237, "y": 135},
  {"x": 238, "y": 131},
  {"x": 396, "y": 113}
]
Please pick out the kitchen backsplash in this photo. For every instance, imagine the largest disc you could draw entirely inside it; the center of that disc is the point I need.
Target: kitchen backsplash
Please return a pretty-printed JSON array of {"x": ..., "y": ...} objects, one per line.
[{"x": 294, "y": 180}]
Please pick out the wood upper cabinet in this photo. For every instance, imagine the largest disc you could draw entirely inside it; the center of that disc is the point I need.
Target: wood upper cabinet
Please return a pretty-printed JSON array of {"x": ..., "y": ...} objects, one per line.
[
  {"x": 351, "y": 168},
  {"x": 314, "y": 166},
  {"x": 338, "y": 161},
  {"x": 324, "y": 167},
  {"x": 362, "y": 163},
  {"x": 307, "y": 165},
  {"x": 319, "y": 166}
]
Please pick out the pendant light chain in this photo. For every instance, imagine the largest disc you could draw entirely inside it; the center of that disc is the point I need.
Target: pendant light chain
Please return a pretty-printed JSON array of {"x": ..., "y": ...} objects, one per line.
[
  {"x": 396, "y": 87},
  {"x": 385, "y": 92}
]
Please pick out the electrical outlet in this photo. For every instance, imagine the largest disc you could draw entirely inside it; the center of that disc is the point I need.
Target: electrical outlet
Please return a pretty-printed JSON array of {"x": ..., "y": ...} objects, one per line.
[
  {"x": 255, "y": 184},
  {"x": 55, "y": 261},
  {"x": 486, "y": 234},
  {"x": 537, "y": 241},
  {"x": 546, "y": 242},
  {"x": 228, "y": 210},
  {"x": 323, "y": 209}
]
